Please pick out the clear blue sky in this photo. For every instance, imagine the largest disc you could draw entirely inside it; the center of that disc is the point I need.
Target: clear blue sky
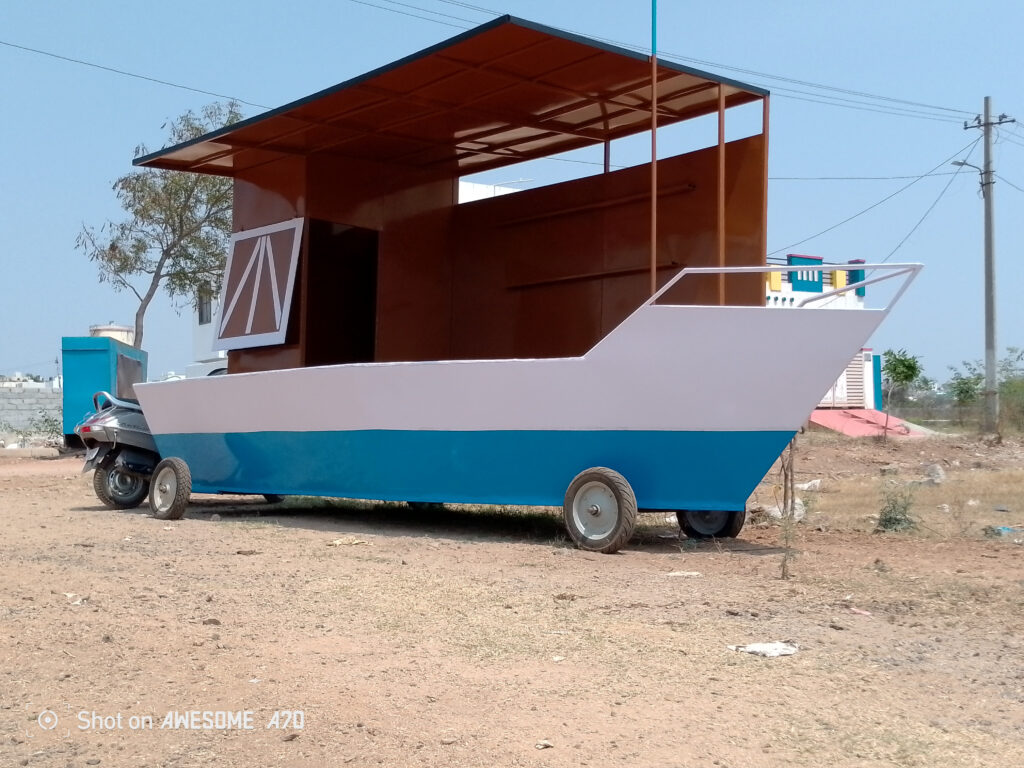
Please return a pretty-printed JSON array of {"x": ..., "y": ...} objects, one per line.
[{"x": 69, "y": 130}]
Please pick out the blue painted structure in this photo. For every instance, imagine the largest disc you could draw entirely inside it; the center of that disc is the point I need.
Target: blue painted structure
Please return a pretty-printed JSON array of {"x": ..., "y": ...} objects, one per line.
[
  {"x": 805, "y": 281},
  {"x": 90, "y": 365},
  {"x": 876, "y": 361},
  {"x": 666, "y": 469},
  {"x": 856, "y": 275}
]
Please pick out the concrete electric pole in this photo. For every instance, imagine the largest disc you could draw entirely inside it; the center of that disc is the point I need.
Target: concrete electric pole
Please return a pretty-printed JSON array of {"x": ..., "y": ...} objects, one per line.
[{"x": 991, "y": 420}]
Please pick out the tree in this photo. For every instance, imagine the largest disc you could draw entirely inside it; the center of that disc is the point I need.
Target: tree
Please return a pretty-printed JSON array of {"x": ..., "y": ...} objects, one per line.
[
  {"x": 966, "y": 385},
  {"x": 964, "y": 388},
  {"x": 177, "y": 226},
  {"x": 900, "y": 370}
]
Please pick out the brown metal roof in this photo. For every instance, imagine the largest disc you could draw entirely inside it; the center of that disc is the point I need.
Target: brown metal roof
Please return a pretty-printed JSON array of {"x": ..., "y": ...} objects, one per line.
[{"x": 507, "y": 91}]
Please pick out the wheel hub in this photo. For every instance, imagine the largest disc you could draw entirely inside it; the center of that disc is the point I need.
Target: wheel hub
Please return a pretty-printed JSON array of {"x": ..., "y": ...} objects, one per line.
[
  {"x": 166, "y": 487},
  {"x": 595, "y": 510},
  {"x": 122, "y": 485}
]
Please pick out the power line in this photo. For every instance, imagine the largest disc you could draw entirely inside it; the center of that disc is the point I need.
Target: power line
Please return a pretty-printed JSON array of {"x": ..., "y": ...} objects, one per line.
[
  {"x": 775, "y": 89},
  {"x": 935, "y": 118},
  {"x": 1006, "y": 180},
  {"x": 891, "y": 102},
  {"x": 902, "y": 110},
  {"x": 856, "y": 178},
  {"x": 471, "y": 7},
  {"x": 805, "y": 96},
  {"x": 875, "y": 205},
  {"x": 932, "y": 206},
  {"x": 1013, "y": 128},
  {"x": 129, "y": 74},
  {"x": 795, "y": 81},
  {"x": 1009, "y": 139},
  {"x": 427, "y": 10},
  {"x": 416, "y": 16}
]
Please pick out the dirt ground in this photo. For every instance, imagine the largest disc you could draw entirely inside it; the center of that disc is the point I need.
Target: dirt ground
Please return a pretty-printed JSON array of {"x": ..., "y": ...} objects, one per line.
[{"x": 480, "y": 638}]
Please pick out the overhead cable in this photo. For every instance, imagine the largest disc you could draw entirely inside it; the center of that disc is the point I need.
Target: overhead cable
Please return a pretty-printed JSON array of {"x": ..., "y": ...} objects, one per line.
[
  {"x": 1007, "y": 181},
  {"x": 416, "y": 16},
  {"x": 932, "y": 206},
  {"x": 756, "y": 73},
  {"x": 875, "y": 205},
  {"x": 129, "y": 74}
]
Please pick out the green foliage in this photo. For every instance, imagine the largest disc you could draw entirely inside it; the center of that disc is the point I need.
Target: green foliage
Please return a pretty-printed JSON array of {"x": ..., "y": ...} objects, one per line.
[
  {"x": 900, "y": 370},
  {"x": 895, "y": 515},
  {"x": 965, "y": 389},
  {"x": 44, "y": 427},
  {"x": 967, "y": 386},
  {"x": 1011, "y": 402},
  {"x": 177, "y": 225}
]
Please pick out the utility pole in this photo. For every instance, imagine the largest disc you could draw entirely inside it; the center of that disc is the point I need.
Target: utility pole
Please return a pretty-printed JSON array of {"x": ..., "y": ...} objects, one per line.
[{"x": 991, "y": 421}]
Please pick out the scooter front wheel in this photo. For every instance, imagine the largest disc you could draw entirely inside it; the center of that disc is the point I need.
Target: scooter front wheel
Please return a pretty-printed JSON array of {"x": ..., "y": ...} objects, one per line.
[{"x": 169, "y": 489}]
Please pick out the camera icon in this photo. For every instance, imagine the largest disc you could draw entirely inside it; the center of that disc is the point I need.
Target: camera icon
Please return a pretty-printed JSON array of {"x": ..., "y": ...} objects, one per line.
[{"x": 47, "y": 720}]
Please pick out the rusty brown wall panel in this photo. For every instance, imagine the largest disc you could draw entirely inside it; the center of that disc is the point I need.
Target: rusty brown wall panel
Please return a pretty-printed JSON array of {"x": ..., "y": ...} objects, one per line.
[
  {"x": 528, "y": 267},
  {"x": 544, "y": 272},
  {"x": 411, "y": 211},
  {"x": 696, "y": 239},
  {"x": 557, "y": 320},
  {"x": 264, "y": 358},
  {"x": 270, "y": 193},
  {"x": 744, "y": 221},
  {"x": 414, "y": 296}
]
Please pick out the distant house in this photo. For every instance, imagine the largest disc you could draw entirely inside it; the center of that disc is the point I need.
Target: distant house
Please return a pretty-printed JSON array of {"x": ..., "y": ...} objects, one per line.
[
  {"x": 860, "y": 385},
  {"x": 206, "y": 361}
]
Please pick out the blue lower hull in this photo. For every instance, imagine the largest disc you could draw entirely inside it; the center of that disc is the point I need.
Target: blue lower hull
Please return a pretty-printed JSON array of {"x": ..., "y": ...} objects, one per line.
[{"x": 667, "y": 470}]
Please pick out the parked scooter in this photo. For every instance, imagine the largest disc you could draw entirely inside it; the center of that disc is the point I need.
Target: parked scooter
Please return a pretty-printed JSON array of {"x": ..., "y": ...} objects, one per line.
[{"x": 121, "y": 450}]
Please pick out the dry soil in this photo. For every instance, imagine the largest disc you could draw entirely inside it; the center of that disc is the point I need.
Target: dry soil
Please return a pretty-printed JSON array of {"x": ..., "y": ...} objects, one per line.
[{"x": 461, "y": 637}]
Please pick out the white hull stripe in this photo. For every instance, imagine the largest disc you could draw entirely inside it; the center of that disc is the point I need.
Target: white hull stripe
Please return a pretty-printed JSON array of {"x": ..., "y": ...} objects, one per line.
[{"x": 664, "y": 368}]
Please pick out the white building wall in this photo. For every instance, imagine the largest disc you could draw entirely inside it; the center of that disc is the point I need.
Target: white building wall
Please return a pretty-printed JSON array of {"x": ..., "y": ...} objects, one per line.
[{"x": 856, "y": 387}]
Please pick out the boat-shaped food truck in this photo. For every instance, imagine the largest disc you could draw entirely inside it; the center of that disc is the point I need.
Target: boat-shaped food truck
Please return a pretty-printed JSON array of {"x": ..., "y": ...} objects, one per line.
[{"x": 600, "y": 344}]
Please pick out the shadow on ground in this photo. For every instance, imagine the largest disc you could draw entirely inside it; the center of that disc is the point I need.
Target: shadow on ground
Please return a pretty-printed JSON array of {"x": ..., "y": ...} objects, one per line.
[{"x": 460, "y": 522}]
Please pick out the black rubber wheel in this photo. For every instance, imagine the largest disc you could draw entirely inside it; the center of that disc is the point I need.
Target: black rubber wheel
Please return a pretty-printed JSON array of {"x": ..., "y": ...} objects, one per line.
[
  {"x": 117, "y": 489},
  {"x": 426, "y": 506},
  {"x": 600, "y": 510},
  {"x": 272, "y": 498},
  {"x": 711, "y": 524},
  {"x": 169, "y": 489}
]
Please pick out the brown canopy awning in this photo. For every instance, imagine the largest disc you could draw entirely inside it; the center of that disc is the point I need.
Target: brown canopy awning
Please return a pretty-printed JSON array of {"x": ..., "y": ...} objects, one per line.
[{"x": 507, "y": 91}]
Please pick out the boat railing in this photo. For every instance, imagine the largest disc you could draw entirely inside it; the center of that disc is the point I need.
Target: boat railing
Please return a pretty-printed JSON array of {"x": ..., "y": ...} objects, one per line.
[{"x": 907, "y": 271}]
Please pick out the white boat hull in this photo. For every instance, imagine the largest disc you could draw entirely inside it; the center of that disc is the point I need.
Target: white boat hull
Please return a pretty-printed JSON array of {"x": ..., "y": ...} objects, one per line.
[{"x": 691, "y": 404}]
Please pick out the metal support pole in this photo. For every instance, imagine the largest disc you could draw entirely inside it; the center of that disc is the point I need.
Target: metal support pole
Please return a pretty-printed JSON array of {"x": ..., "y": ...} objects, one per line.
[
  {"x": 990, "y": 421},
  {"x": 988, "y": 189},
  {"x": 764, "y": 184},
  {"x": 654, "y": 147},
  {"x": 720, "y": 204}
]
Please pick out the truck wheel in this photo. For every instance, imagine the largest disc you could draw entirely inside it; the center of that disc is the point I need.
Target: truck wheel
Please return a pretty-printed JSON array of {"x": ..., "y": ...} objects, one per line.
[
  {"x": 169, "y": 489},
  {"x": 117, "y": 489},
  {"x": 600, "y": 510},
  {"x": 711, "y": 524},
  {"x": 271, "y": 498}
]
